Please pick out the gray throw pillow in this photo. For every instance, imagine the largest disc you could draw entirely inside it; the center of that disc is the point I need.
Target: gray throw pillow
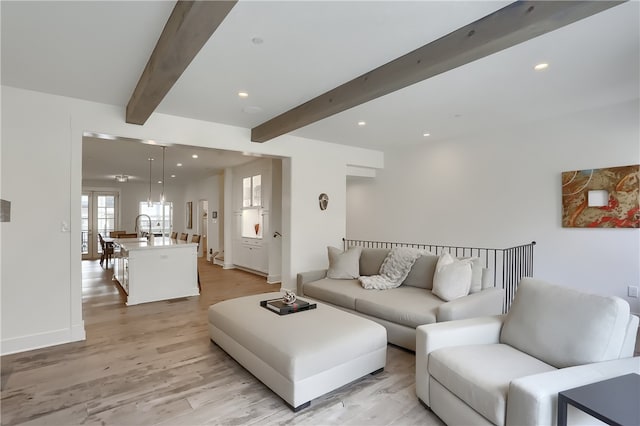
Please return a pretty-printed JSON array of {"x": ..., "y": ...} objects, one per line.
[
  {"x": 344, "y": 265},
  {"x": 421, "y": 274},
  {"x": 371, "y": 260}
]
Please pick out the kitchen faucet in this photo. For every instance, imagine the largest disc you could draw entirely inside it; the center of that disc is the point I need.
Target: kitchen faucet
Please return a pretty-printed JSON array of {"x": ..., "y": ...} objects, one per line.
[{"x": 149, "y": 219}]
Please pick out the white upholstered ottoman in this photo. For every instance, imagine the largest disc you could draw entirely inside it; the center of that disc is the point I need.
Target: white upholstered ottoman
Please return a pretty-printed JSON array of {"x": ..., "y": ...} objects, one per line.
[{"x": 299, "y": 356}]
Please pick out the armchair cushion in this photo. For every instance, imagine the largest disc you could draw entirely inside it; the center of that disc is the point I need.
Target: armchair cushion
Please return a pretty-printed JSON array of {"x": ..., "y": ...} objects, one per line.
[
  {"x": 564, "y": 327},
  {"x": 480, "y": 375}
]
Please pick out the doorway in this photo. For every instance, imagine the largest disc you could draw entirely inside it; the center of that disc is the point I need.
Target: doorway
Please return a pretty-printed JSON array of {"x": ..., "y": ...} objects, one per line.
[
  {"x": 99, "y": 215},
  {"x": 203, "y": 208}
]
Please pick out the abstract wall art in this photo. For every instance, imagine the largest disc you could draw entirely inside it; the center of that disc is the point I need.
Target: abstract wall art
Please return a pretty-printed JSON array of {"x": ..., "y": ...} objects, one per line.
[{"x": 601, "y": 198}]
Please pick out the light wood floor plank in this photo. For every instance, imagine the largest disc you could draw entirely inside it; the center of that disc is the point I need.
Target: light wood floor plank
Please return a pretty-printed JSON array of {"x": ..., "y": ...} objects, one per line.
[{"x": 153, "y": 364}]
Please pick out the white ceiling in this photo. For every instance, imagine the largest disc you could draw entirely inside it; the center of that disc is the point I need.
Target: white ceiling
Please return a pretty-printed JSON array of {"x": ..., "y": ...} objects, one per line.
[
  {"x": 97, "y": 51},
  {"x": 103, "y": 159}
]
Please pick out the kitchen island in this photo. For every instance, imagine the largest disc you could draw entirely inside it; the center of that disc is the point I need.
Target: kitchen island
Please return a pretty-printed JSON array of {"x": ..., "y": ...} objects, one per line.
[{"x": 157, "y": 269}]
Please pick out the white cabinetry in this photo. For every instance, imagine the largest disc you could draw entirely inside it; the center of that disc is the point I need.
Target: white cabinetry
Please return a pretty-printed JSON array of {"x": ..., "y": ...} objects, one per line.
[
  {"x": 159, "y": 269},
  {"x": 251, "y": 226},
  {"x": 251, "y": 253}
]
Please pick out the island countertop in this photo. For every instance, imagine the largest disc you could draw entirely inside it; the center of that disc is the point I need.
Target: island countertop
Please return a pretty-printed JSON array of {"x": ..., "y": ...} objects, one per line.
[{"x": 155, "y": 242}]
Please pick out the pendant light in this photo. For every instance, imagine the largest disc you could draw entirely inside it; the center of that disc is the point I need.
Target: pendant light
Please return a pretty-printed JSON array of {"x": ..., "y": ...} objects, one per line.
[
  {"x": 149, "y": 201},
  {"x": 164, "y": 148}
]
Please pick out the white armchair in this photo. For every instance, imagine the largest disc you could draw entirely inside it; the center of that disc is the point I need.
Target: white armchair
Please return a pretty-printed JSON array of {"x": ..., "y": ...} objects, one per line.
[{"x": 508, "y": 370}]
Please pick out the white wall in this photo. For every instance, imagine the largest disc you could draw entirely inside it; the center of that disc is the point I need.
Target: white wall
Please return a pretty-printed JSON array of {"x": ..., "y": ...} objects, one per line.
[
  {"x": 205, "y": 189},
  {"x": 503, "y": 189},
  {"x": 42, "y": 177},
  {"x": 132, "y": 193}
]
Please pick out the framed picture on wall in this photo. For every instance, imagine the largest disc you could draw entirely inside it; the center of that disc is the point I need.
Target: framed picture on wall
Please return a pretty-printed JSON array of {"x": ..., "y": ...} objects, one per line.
[{"x": 189, "y": 216}]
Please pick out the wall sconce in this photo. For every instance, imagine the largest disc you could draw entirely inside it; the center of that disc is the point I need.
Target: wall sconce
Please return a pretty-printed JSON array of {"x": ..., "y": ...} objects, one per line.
[{"x": 323, "y": 199}]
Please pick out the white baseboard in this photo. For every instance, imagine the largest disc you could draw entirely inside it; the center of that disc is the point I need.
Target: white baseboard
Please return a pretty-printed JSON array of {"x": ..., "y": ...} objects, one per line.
[
  {"x": 41, "y": 340},
  {"x": 78, "y": 332}
]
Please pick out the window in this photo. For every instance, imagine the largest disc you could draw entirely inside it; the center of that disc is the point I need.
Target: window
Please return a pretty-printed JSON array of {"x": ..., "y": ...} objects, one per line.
[
  {"x": 251, "y": 206},
  {"x": 252, "y": 191},
  {"x": 161, "y": 219}
]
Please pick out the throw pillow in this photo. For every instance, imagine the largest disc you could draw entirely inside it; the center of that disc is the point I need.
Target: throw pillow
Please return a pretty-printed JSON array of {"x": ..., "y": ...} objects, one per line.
[
  {"x": 344, "y": 265},
  {"x": 476, "y": 273},
  {"x": 371, "y": 260},
  {"x": 452, "y": 278},
  {"x": 421, "y": 274}
]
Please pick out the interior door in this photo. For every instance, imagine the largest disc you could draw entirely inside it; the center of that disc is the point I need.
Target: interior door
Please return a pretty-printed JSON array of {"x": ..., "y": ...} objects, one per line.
[{"x": 99, "y": 216}]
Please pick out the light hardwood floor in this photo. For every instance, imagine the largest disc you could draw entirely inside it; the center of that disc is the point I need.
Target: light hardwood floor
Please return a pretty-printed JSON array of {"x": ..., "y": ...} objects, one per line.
[{"x": 153, "y": 364}]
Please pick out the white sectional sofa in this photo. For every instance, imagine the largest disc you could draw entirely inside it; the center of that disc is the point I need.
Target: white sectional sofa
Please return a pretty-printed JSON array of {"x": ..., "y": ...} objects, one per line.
[
  {"x": 508, "y": 369},
  {"x": 400, "y": 310}
]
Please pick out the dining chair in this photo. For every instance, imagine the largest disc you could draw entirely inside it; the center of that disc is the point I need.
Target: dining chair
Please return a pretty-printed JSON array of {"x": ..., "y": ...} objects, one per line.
[
  {"x": 195, "y": 238},
  {"x": 174, "y": 235},
  {"x": 183, "y": 236},
  {"x": 107, "y": 250}
]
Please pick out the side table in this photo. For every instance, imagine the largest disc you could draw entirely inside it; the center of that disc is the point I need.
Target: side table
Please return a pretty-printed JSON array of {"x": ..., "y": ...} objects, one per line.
[{"x": 614, "y": 401}]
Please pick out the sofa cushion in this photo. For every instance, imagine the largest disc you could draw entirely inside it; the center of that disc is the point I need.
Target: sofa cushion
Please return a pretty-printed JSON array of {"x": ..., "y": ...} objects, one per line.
[
  {"x": 421, "y": 274},
  {"x": 452, "y": 278},
  {"x": 409, "y": 306},
  {"x": 565, "y": 327},
  {"x": 371, "y": 260},
  {"x": 344, "y": 265},
  {"x": 480, "y": 375},
  {"x": 337, "y": 292}
]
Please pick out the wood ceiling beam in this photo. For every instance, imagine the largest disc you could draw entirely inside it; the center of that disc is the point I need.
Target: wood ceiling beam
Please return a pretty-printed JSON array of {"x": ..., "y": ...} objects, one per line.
[
  {"x": 189, "y": 27},
  {"x": 507, "y": 27}
]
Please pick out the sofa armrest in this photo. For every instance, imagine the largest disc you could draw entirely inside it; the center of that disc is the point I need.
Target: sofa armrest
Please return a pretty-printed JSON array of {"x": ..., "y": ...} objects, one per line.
[
  {"x": 533, "y": 400},
  {"x": 307, "y": 277},
  {"x": 483, "y": 303},
  {"x": 429, "y": 337}
]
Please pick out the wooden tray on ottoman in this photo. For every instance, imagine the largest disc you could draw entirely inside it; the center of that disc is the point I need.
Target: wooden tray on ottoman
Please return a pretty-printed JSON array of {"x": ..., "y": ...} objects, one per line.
[{"x": 281, "y": 308}]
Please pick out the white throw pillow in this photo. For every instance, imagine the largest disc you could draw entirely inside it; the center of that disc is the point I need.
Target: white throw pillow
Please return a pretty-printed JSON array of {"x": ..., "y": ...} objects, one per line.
[
  {"x": 344, "y": 265},
  {"x": 476, "y": 273},
  {"x": 452, "y": 278}
]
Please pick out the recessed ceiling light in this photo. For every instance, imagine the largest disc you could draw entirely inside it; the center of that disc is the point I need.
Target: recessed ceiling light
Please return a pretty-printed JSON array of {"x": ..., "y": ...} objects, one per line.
[
  {"x": 243, "y": 94},
  {"x": 541, "y": 67},
  {"x": 362, "y": 123},
  {"x": 426, "y": 134},
  {"x": 179, "y": 164},
  {"x": 194, "y": 156},
  {"x": 173, "y": 175},
  {"x": 159, "y": 181}
]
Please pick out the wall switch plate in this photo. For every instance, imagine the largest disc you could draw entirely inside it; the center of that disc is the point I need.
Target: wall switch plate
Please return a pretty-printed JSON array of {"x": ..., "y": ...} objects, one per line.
[{"x": 632, "y": 291}]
